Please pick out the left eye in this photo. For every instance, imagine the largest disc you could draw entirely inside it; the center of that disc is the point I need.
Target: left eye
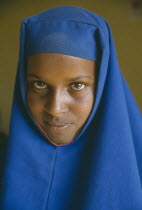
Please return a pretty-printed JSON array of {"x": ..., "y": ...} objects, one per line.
[
  {"x": 78, "y": 86},
  {"x": 40, "y": 85}
]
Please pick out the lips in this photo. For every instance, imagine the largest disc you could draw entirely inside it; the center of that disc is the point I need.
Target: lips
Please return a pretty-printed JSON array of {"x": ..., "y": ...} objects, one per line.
[
  {"x": 57, "y": 124},
  {"x": 58, "y": 127}
]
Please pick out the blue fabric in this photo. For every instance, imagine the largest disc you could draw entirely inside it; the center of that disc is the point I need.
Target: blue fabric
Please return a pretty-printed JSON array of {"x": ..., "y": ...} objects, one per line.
[
  {"x": 62, "y": 37},
  {"x": 102, "y": 168}
]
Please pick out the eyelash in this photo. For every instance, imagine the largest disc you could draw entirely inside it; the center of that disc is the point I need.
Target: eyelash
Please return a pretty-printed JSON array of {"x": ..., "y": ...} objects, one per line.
[
  {"x": 82, "y": 83},
  {"x": 36, "y": 82},
  {"x": 74, "y": 83}
]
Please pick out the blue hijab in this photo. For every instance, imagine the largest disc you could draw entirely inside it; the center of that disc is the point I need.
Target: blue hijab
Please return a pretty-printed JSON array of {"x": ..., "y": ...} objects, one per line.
[{"x": 102, "y": 168}]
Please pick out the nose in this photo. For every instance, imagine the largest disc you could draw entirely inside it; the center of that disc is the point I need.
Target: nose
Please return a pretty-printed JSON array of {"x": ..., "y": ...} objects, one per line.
[{"x": 56, "y": 103}]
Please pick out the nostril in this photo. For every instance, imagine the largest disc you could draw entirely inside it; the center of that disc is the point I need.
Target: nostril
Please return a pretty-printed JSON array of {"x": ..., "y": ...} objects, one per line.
[{"x": 56, "y": 105}]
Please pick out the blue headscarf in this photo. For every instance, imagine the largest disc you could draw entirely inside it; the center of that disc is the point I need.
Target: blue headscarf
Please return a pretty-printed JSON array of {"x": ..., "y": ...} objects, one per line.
[{"x": 102, "y": 168}]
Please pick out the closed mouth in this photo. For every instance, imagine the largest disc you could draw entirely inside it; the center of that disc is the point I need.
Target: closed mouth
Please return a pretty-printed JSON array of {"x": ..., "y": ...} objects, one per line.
[
  {"x": 57, "y": 127},
  {"x": 57, "y": 124}
]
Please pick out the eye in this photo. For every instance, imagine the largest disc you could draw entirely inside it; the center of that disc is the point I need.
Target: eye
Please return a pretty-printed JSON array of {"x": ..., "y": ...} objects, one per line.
[
  {"x": 39, "y": 84},
  {"x": 78, "y": 86}
]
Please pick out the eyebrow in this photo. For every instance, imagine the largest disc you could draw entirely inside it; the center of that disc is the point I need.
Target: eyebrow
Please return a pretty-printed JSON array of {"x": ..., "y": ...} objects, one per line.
[{"x": 71, "y": 79}]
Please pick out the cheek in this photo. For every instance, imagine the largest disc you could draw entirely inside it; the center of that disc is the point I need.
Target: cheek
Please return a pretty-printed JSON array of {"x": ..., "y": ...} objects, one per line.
[
  {"x": 79, "y": 107},
  {"x": 35, "y": 105},
  {"x": 83, "y": 106}
]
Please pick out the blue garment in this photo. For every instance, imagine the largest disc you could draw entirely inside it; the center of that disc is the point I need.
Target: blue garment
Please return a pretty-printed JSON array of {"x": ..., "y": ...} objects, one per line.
[{"x": 102, "y": 168}]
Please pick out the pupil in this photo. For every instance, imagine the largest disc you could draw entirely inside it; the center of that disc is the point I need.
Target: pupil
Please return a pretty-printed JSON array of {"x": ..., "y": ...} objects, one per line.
[
  {"x": 78, "y": 85},
  {"x": 41, "y": 84}
]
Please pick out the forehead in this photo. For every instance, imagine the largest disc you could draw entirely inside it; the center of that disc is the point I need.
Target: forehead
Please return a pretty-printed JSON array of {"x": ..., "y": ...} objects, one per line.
[{"x": 55, "y": 63}]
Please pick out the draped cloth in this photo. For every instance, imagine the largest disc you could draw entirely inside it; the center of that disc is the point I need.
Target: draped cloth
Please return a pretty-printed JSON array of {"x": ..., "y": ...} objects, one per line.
[{"x": 102, "y": 168}]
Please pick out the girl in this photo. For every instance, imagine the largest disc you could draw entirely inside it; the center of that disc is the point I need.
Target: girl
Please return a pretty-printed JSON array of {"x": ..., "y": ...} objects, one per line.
[{"x": 75, "y": 134}]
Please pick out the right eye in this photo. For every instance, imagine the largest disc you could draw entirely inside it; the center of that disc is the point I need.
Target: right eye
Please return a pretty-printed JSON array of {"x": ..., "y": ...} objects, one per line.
[{"x": 39, "y": 84}]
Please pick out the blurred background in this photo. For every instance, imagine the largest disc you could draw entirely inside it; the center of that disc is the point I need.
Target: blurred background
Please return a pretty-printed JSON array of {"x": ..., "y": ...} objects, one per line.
[{"x": 124, "y": 17}]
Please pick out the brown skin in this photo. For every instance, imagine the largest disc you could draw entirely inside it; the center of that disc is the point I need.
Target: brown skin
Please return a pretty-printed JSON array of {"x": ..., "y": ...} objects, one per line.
[{"x": 60, "y": 93}]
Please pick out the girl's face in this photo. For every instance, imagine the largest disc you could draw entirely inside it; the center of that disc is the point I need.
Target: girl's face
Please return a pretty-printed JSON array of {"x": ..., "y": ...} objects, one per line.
[{"x": 60, "y": 93}]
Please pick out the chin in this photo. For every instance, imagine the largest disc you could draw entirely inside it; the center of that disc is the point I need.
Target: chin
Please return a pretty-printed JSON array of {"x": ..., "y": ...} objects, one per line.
[{"x": 60, "y": 140}]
